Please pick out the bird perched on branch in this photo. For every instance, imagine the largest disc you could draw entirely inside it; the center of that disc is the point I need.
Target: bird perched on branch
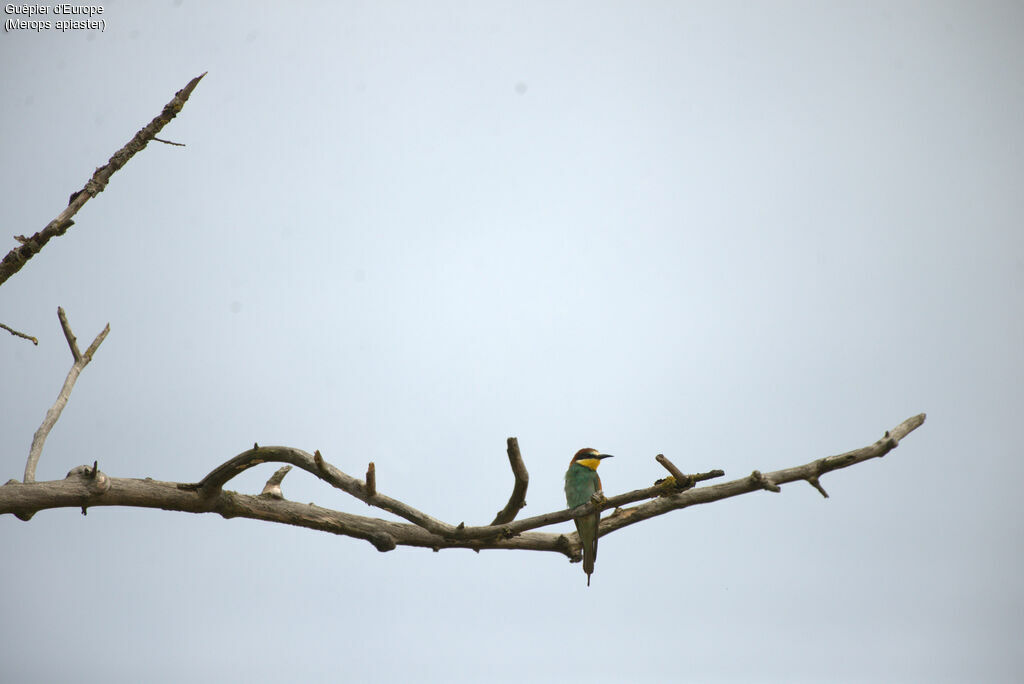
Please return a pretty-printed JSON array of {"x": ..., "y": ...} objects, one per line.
[{"x": 581, "y": 484}]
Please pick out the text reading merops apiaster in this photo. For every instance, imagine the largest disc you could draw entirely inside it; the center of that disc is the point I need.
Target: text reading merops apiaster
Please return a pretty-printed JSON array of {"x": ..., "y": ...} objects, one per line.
[{"x": 65, "y": 17}]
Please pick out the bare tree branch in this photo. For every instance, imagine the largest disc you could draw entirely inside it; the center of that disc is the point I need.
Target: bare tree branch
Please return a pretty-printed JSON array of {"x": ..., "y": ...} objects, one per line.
[
  {"x": 677, "y": 481},
  {"x": 22, "y": 335},
  {"x": 68, "y": 335},
  {"x": 31, "y": 246},
  {"x": 522, "y": 480},
  {"x": 813, "y": 480},
  {"x": 86, "y": 487},
  {"x": 210, "y": 486},
  {"x": 81, "y": 361},
  {"x": 675, "y": 475},
  {"x": 808, "y": 471},
  {"x": 385, "y": 535}
]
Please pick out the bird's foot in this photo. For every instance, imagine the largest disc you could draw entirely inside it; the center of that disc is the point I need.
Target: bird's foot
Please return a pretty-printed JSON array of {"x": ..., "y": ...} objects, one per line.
[{"x": 598, "y": 497}]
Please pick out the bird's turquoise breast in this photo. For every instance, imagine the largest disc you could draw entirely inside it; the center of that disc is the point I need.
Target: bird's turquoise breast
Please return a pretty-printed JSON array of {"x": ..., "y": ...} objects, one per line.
[{"x": 580, "y": 484}]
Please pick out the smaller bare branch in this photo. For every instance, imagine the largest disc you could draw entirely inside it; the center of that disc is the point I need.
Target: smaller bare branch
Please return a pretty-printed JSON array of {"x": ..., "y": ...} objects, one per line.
[
  {"x": 210, "y": 487},
  {"x": 20, "y": 334},
  {"x": 68, "y": 335},
  {"x": 672, "y": 485},
  {"x": 517, "y": 527},
  {"x": 91, "y": 349},
  {"x": 32, "y": 245},
  {"x": 517, "y": 500},
  {"x": 710, "y": 475},
  {"x": 371, "y": 481},
  {"x": 813, "y": 481},
  {"x": 273, "y": 486},
  {"x": 744, "y": 485},
  {"x": 81, "y": 361},
  {"x": 681, "y": 481},
  {"x": 168, "y": 142}
]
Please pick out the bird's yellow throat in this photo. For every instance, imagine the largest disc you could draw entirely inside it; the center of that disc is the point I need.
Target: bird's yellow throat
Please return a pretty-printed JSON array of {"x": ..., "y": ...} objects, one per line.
[{"x": 591, "y": 463}]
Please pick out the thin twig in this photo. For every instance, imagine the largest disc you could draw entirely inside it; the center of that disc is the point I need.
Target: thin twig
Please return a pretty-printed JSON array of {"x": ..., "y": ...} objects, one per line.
[
  {"x": 710, "y": 475},
  {"x": 168, "y": 142},
  {"x": 68, "y": 335},
  {"x": 81, "y": 361},
  {"x": 517, "y": 500},
  {"x": 22, "y": 335},
  {"x": 31, "y": 246},
  {"x": 814, "y": 482},
  {"x": 681, "y": 481}
]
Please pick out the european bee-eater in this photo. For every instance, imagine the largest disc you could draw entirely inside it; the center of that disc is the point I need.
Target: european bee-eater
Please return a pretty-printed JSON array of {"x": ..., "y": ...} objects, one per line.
[{"x": 581, "y": 483}]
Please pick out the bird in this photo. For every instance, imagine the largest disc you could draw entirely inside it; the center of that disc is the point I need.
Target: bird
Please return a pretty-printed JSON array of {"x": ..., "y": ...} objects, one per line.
[{"x": 582, "y": 483}]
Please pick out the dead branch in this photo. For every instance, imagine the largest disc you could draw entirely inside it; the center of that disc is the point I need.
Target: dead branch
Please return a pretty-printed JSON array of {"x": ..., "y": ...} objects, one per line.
[
  {"x": 522, "y": 480},
  {"x": 80, "y": 489},
  {"x": 81, "y": 361},
  {"x": 23, "y": 500},
  {"x": 18, "y": 333},
  {"x": 210, "y": 486},
  {"x": 31, "y": 246},
  {"x": 809, "y": 472},
  {"x": 676, "y": 477}
]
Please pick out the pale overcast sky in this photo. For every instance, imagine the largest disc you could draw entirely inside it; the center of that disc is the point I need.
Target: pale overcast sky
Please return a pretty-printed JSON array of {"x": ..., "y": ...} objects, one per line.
[{"x": 745, "y": 235}]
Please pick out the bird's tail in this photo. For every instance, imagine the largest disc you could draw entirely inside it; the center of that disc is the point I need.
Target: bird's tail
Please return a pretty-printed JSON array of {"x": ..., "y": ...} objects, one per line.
[{"x": 589, "y": 556}]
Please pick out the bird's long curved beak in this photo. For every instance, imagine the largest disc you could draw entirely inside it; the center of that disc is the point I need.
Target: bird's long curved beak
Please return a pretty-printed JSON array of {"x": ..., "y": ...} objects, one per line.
[{"x": 604, "y": 456}]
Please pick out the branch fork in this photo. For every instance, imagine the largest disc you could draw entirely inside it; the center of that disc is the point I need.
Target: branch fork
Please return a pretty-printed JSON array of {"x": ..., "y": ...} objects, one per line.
[{"x": 80, "y": 362}]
